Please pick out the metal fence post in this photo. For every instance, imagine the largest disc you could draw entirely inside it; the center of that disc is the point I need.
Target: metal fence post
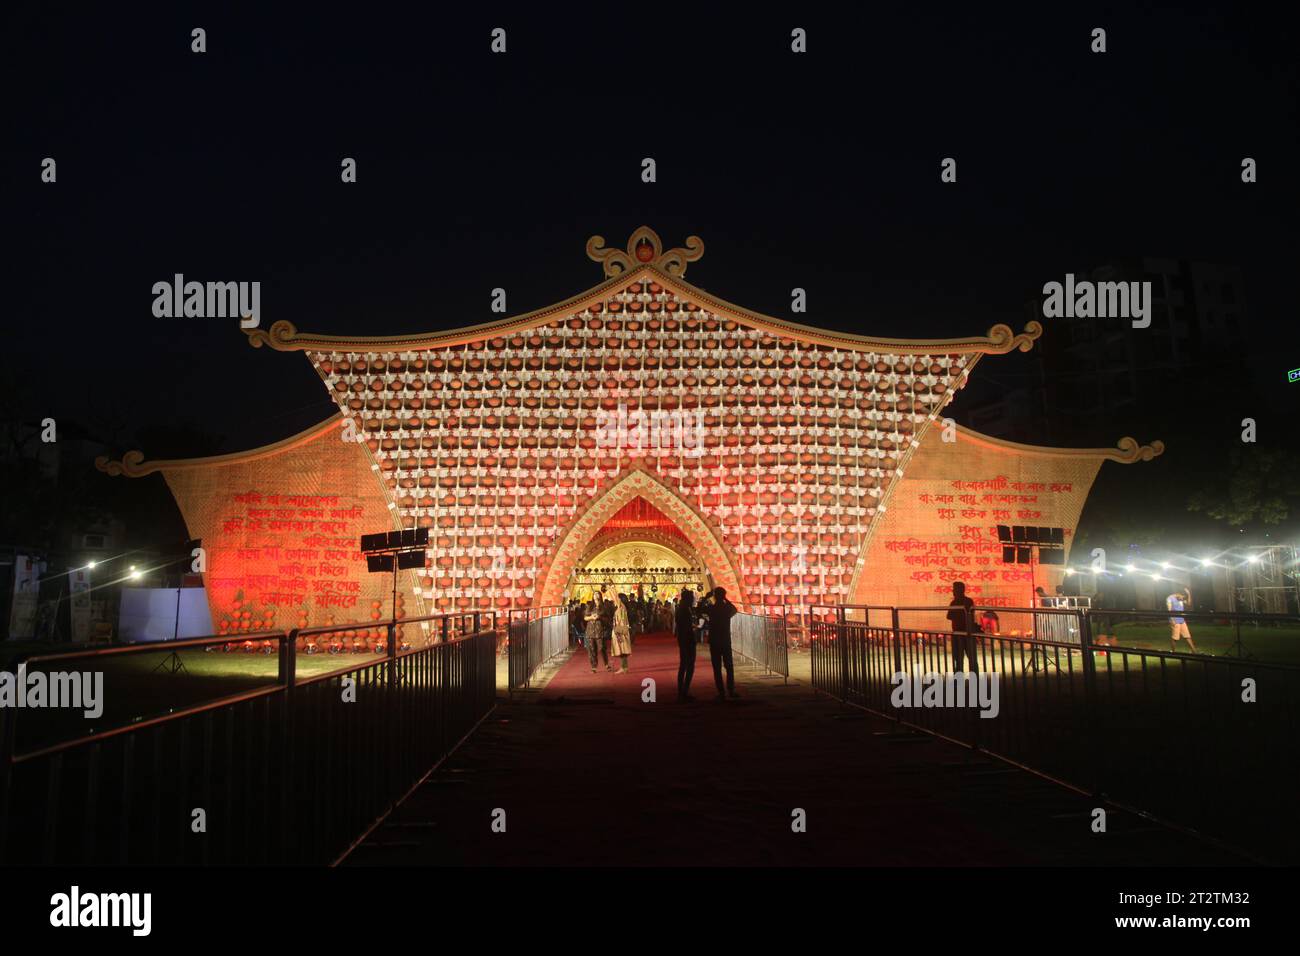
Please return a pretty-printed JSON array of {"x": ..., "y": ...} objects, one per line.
[
  {"x": 286, "y": 843},
  {"x": 510, "y": 653},
  {"x": 8, "y": 719},
  {"x": 970, "y": 655},
  {"x": 1097, "y": 738},
  {"x": 841, "y": 636},
  {"x": 392, "y": 652},
  {"x": 896, "y": 639},
  {"x": 289, "y": 660}
]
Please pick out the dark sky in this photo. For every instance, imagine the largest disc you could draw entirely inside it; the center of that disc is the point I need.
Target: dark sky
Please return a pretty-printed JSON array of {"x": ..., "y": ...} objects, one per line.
[{"x": 477, "y": 171}]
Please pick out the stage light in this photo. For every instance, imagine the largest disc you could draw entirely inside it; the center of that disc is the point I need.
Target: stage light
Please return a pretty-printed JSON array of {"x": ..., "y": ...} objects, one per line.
[
  {"x": 136, "y": 574},
  {"x": 1164, "y": 566},
  {"x": 132, "y": 568},
  {"x": 90, "y": 564},
  {"x": 1155, "y": 577},
  {"x": 1129, "y": 567},
  {"x": 1069, "y": 571},
  {"x": 1252, "y": 559},
  {"x": 1206, "y": 562}
]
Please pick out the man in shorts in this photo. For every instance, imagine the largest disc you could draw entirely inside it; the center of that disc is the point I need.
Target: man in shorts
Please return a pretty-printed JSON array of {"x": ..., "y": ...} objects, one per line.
[{"x": 1178, "y": 601}]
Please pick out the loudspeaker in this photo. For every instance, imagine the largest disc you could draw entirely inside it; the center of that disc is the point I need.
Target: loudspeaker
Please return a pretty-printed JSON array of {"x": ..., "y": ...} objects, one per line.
[
  {"x": 410, "y": 559},
  {"x": 1004, "y": 532},
  {"x": 379, "y": 562}
]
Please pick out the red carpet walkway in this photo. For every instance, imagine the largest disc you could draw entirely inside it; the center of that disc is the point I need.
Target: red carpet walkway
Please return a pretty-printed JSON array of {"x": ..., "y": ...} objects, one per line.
[{"x": 589, "y": 774}]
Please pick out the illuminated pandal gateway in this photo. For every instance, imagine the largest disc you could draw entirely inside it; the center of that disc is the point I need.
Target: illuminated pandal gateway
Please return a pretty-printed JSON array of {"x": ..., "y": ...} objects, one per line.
[{"x": 643, "y": 419}]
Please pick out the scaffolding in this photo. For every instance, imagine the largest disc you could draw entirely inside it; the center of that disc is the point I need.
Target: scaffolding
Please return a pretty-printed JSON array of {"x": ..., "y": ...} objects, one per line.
[{"x": 1266, "y": 582}]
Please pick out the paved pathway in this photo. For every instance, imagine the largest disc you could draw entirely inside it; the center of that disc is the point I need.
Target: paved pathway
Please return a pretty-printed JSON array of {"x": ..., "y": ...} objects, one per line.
[{"x": 589, "y": 774}]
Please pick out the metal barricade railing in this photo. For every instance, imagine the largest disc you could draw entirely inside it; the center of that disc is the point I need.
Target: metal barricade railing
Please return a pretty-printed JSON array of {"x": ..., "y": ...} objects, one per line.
[
  {"x": 294, "y": 771},
  {"x": 1206, "y": 743},
  {"x": 536, "y": 635},
  {"x": 796, "y": 618},
  {"x": 761, "y": 638}
]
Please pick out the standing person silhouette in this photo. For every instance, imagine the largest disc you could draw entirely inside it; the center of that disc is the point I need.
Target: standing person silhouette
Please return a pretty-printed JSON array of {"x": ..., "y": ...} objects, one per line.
[
  {"x": 1178, "y": 601},
  {"x": 606, "y": 610},
  {"x": 594, "y": 638},
  {"x": 621, "y": 641},
  {"x": 685, "y": 631},
  {"x": 964, "y": 629},
  {"x": 720, "y": 611}
]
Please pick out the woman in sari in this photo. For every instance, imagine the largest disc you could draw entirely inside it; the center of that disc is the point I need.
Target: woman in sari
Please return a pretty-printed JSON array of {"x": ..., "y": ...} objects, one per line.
[{"x": 621, "y": 642}]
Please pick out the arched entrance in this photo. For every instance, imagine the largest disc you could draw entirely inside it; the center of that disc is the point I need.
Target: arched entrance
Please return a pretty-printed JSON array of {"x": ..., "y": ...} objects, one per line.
[
  {"x": 637, "y": 507},
  {"x": 649, "y": 565}
]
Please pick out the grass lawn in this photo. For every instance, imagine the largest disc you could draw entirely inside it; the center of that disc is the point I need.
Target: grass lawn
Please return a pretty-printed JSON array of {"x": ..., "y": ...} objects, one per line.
[
  {"x": 141, "y": 685},
  {"x": 1276, "y": 644}
]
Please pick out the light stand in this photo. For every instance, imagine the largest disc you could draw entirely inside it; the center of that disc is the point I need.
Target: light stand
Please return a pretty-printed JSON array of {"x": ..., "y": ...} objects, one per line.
[
  {"x": 1021, "y": 544},
  {"x": 395, "y": 551},
  {"x": 172, "y": 663},
  {"x": 1238, "y": 649}
]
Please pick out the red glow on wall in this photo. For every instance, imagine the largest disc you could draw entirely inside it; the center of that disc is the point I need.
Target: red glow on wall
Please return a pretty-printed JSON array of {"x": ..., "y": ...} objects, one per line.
[{"x": 641, "y": 514}]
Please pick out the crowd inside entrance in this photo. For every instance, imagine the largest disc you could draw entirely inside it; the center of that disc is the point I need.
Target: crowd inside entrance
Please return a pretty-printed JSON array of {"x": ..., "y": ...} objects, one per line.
[{"x": 608, "y": 624}]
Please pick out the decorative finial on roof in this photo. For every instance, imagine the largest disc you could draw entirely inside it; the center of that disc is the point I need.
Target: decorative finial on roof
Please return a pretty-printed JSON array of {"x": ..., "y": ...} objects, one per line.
[
  {"x": 1005, "y": 339},
  {"x": 1130, "y": 451},
  {"x": 280, "y": 336},
  {"x": 644, "y": 248},
  {"x": 131, "y": 464}
]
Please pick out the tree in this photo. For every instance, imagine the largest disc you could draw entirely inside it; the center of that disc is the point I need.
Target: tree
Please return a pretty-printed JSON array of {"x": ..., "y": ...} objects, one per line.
[{"x": 1261, "y": 486}]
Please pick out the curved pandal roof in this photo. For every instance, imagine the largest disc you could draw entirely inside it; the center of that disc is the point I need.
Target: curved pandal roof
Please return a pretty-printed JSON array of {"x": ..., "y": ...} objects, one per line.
[
  {"x": 644, "y": 260},
  {"x": 1126, "y": 451},
  {"x": 133, "y": 464}
]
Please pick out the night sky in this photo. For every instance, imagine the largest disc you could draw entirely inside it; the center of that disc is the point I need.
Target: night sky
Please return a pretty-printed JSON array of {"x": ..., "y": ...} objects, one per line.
[{"x": 477, "y": 171}]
